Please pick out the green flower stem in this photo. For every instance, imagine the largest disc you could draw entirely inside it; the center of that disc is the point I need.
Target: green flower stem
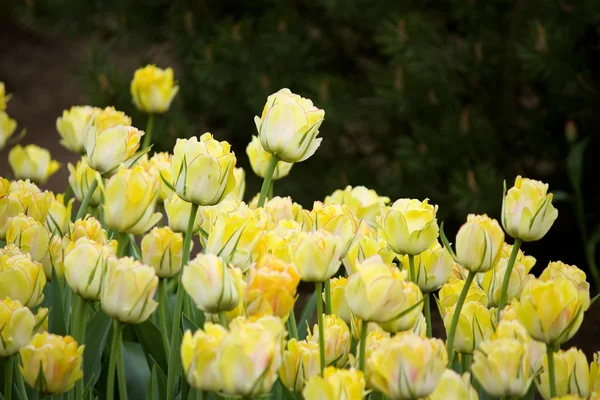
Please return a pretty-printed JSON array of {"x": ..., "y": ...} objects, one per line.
[
  {"x": 427, "y": 307},
  {"x": 466, "y": 362},
  {"x": 507, "y": 273},
  {"x": 20, "y": 382},
  {"x": 271, "y": 189},
  {"x": 123, "y": 240},
  {"x": 78, "y": 333},
  {"x": 86, "y": 200},
  {"x": 411, "y": 263},
  {"x": 148, "y": 134},
  {"x": 174, "y": 359},
  {"x": 328, "y": 297},
  {"x": 223, "y": 319},
  {"x": 163, "y": 306},
  {"x": 115, "y": 351},
  {"x": 551, "y": 376},
  {"x": 318, "y": 291},
  {"x": 293, "y": 325},
  {"x": 457, "y": 308},
  {"x": 362, "y": 361},
  {"x": 267, "y": 181},
  {"x": 120, "y": 363},
  {"x": 8, "y": 377}
]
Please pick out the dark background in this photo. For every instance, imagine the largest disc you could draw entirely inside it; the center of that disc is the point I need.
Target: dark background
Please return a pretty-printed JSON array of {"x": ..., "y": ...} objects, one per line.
[{"x": 439, "y": 99}]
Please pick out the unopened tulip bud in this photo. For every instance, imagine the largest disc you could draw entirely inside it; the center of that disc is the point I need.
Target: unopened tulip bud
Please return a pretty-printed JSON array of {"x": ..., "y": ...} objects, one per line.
[
  {"x": 432, "y": 267},
  {"x": 300, "y": 363},
  {"x": 162, "y": 249},
  {"x": 479, "y": 243},
  {"x": 153, "y": 89}
]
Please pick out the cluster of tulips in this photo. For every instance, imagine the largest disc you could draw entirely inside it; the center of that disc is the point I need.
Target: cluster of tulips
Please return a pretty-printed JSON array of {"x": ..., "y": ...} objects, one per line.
[{"x": 221, "y": 322}]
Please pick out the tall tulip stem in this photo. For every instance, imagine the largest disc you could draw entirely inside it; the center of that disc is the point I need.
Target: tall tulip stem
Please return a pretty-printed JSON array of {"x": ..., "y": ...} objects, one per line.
[
  {"x": 411, "y": 265},
  {"x": 115, "y": 364},
  {"x": 148, "y": 134},
  {"x": 267, "y": 181},
  {"x": 328, "y": 297},
  {"x": 456, "y": 316},
  {"x": 319, "y": 290},
  {"x": 427, "y": 306},
  {"x": 551, "y": 376},
  {"x": 174, "y": 359},
  {"x": 8, "y": 377},
  {"x": 362, "y": 361},
  {"x": 78, "y": 333},
  {"x": 86, "y": 200},
  {"x": 163, "y": 307},
  {"x": 509, "y": 267}
]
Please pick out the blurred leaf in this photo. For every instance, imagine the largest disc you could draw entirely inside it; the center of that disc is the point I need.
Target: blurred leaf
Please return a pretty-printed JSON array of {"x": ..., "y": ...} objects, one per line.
[
  {"x": 57, "y": 323},
  {"x": 150, "y": 339},
  {"x": 188, "y": 324},
  {"x": 306, "y": 316},
  {"x": 158, "y": 384},
  {"x": 96, "y": 335},
  {"x": 137, "y": 372},
  {"x": 575, "y": 163}
]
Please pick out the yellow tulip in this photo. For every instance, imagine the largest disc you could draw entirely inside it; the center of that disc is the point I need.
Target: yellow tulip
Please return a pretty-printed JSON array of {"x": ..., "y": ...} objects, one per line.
[
  {"x": 55, "y": 359},
  {"x": 259, "y": 161},
  {"x": 278, "y": 240},
  {"x": 413, "y": 305},
  {"x": 7, "y": 128},
  {"x": 366, "y": 246},
  {"x": 491, "y": 281},
  {"x": 21, "y": 278},
  {"x": 347, "y": 384},
  {"x": 409, "y": 226},
  {"x": 479, "y": 243},
  {"x": 32, "y": 162},
  {"x": 560, "y": 270},
  {"x": 59, "y": 214},
  {"x": 234, "y": 235},
  {"x": 571, "y": 374},
  {"x": 212, "y": 284},
  {"x": 448, "y": 295},
  {"x": 162, "y": 249},
  {"x": 90, "y": 228},
  {"x": 4, "y": 98},
  {"x": 34, "y": 238},
  {"x": 527, "y": 210},
  {"x": 199, "y": 354},
  {"x": 72, "y": 127},
  {"x": 129, "y": 201},
  {"x": 316, "y": 254},
  {"x": 178, "y": 214},
  {"x": 240, "y": 185},
  {"x": 407, "y": 367},
  {"x": 475, "y": 324},
  {"x": 528, "y": 261},
  {"x": 502, "y": 367},
  {"x": 41, "y": 320},
  {"x": 339, "y": 305},
  {"x": 153, "y": 89},
  {"x": 595, "y": 373},
  {"x": 288, "y": 126},
  {"x": 375, "y": 293},
  {"x": 86, "y": 262},
  {"x": 335, "y": 219},
  {"x": 272, "y": 285},
  {"x": 432, "y": 267},
  {"x": 250, "y": 356},
  {"x": 364, "y": 203},
  {"x": 128, "y": 290},
  {"x": 17, "y": 324},
  {"x": 282, "y": 208},
  {"x": 453, "y": 386},
  {"x": 203, "y": 170},
  {"x": 513, "y": 329},
  {"x": 375, "y": 338},
  {"x": 81, "y": 177},
  {"x": 337, "y": 340},
  {"x": 300, "y": 363},
  {"x": 551, "y": 311},
  {"x": 159, "y": 166}
]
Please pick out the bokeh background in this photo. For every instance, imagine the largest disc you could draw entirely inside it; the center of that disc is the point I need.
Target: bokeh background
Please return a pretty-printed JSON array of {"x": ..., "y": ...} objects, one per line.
[{"x": 430, "y": 99}]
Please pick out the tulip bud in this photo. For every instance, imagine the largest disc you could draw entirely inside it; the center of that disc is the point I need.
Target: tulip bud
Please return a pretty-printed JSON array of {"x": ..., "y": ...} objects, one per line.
[
  {"x": 337, "y": 340},
  {"x": 153, "y": 89},
  {"x": 59, "y": 215},
  {"x": 90, "y": 228},
  {"x": 259, "y": 161},
  {"x": 86, "y": 263},
  {"x": 234, "y": 235},
  {"x": 300, "y": 363},
  {"x": 21, "y": 278},
  {"x": 31, "y": 237},
  {"x": 250, "y": 356},
  {"x": 128, "y": 290},
  {"x": 348, "y": 384},
  {"x": 479, "y": 243},
  {"x": 199, "y": 354},
  {"x": 72, "y": 127},
  {"x": 560, "y": 270},
  {"x": 409, "y": 226},
  {"x": 316, "y": 254},
  {"x": 339, "y": 305},
  {"x": 362, "y": 202},
  {"x": 432, "y": 267},
  {"x": 551, "y": 311},
  {"x": 527, "y": 210},
  {"x": 17, "y": 324},
  {"x": 178, "y": 213},
  {"x": 282, "y": 208},
  {"x": 571, "y": 374},
  {"x": 413, "y": 305},
  {"x": 288, "y": 126},
  {"x": 502, "y": 367},
  {"x": 448, "y": 295},
  {"x": 453, "y": 386},
  {"x": 475, "y": 325},
  {"x": 162, "y": 249},
  {"x": 240, "y": 185},
  {"x": 212, "y": 284},
  {"x": 7, "y": 128},
  {"x": 159, "y": 166},
  {"x": 337, "y": 220},
  {"x": 129, "y": 201},
  {"x": 32, "y": 162},
  {"x": 491, "y": 281},
  {"x": 203, "y": 170},
  {"x": 51, "y": 364},
  {"x": 22, "y": 197},
  {"x": 408, "y": 366},
  {"x": 81, "y": 177},
  {"x": 272, "y": 285}
]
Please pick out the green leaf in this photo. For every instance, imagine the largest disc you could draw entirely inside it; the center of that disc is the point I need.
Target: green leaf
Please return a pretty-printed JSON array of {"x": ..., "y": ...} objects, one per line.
[
  {"x": 286, "y": 392},
  {"x": 575, "y": 163},
  {"x": 188, "y": 324},
  {"x": 306, "y": 316},
  {"x": 446, "y": 243},
  {"x": 57, "y": 323},
  {"x": 96, "y": 336},
  {"x": 150, "y": 339},
  {"x": 137, "y": 372},
  {"x": 158, "y": 383}
]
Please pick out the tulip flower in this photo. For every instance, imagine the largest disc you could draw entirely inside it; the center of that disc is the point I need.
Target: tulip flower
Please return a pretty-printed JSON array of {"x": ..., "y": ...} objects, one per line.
[
  {"x": 81, "y": 178},
  {"x": 491, "y": 281},
  {"x": 32, "y": 162},
  {"x": 449, "y": 293},
  {"x": 479, "y": 243},
  {"x": 560, "y": 270},
  {"x": 453, "y": 386},
  {"x": 337, "y": 220},
  {"x": 22, "y": 197},
  {"x": 348, "y": 384},
  {"x": 178, "y": 214},
  {"x": 17, "y": 323},
  {"x": 162, "y": 250},
  {"x": 21, "y": 278},
  {"x": 316, "y": 254},
  {"x": 153, "y": 89},
  {"x": 339, "y": 305},
  {"x": 432, "y": 267},
  {"x": 33, "y": 238},
  {"x": 7, "y": 128},
  {"x": 364, "y": 203},
  {"x": 199, "y": 354},
  {"x": 240, "y": 185},
  {"x": 337, "y": 340},
  {"x": 475, "y": 324},
  {"x": 159, "y": 166},
  {"x": 572, "y": 374},
  {"x": 259, "y": 161},
  {"x": 300, "y": 363},
  {"x": 59, "y": 214},
  {"x": 282, "y": 208},
  {"x": 366, "y": 246},
  {"x": 72, "y": 127}
]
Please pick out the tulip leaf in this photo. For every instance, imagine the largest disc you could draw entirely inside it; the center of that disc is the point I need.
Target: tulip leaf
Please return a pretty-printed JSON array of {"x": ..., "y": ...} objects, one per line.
[
  {"x": 446, "y": 242},
  {"x": 575, "y": 163},
  {"x": 286, "y": 392},
  {"x": 96, "y": 336},
  {"x": 158, "y": 383},
  {"x": 150, "y": 339},
  {"x": 166, "y": 182},
  {"x": 594, "y": 299},
  {"x": 137, "y": 372},
  {"x": 57, "y": 323},
  {"x": 306, "y": 316},
  {"x": 188, "y": 324}
]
